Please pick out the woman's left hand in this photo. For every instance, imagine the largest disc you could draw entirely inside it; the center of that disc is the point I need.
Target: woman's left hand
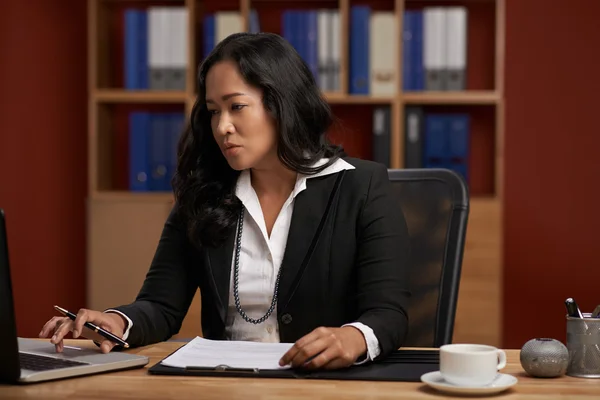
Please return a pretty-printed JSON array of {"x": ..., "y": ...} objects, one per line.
[{"x": 328, "y": 348}]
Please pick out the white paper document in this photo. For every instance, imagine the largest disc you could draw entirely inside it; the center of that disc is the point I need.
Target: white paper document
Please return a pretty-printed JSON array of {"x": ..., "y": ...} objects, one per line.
[{"x": 205, "y": 353}]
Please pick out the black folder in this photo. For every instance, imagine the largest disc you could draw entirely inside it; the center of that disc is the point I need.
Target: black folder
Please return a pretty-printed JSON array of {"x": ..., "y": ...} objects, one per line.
[{"x": 405, "y": 365}]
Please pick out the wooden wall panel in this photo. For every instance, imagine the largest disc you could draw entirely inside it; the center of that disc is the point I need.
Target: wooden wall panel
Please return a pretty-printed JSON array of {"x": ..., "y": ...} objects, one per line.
[
  {"x": 121, "y": 246},
  {"x": 191, "y": 326},
  {"x": 478, "y": 313}
]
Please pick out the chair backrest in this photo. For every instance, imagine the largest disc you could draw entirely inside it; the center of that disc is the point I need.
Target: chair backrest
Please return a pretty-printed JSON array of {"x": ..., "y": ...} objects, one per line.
[{"x": 435, "y": 203}]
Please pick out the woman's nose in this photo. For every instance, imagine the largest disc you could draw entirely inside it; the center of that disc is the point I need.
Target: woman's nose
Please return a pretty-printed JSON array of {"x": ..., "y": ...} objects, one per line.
[{"x": 224, "y": 125}]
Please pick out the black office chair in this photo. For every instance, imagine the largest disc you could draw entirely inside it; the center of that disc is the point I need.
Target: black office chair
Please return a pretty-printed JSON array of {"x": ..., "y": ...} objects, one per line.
[{"x": 435, "y": 203}]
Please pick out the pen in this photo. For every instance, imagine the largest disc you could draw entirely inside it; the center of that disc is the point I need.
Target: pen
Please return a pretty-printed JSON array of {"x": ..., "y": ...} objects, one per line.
[
  {"x": 573, "y": 309},
  {"x": 94, "y": 327}
]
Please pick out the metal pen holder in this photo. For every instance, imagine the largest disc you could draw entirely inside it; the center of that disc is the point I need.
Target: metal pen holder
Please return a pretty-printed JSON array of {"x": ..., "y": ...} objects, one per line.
[{"x": 583, "y": 343}]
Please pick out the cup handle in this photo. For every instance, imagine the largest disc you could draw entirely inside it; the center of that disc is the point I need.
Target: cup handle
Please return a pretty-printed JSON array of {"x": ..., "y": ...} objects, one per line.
[{"x": 501, "y": 359}]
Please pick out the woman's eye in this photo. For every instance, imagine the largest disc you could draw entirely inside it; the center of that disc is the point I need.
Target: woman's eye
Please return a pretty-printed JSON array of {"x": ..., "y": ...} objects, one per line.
[
  {"x": 212, "y": 112},
  {"x": 237, "y": 106}
]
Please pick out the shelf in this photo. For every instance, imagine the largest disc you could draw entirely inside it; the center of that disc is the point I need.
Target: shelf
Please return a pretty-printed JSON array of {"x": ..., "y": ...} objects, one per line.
[
  {"x": 146, "y": 96},
  {"x": 121, "y": 196},
  {"x": 473, "y": 98},
  {"x": 174, "y": 2},
  {"x": 125, "y": 96},
  {"x": 484, "y": 199},
  {"x": 338, "y": 98}
]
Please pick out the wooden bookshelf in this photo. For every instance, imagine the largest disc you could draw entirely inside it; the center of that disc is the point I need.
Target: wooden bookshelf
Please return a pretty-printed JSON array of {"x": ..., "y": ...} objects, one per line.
[
  {"x": 335, "y": 98},
  {"x": 123, "y": 96},
  {"x": 124, "y": 226},
  {"x": 468, "y": 98},
  {"x": 121, "y": 196}
]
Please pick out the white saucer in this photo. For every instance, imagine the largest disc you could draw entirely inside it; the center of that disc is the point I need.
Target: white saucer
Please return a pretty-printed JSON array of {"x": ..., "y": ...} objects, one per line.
[{"x": 435, "y": 380}]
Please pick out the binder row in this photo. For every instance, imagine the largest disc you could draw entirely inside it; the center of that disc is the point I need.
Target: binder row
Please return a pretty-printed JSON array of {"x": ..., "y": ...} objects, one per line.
[
  {"x": 434, "y": 46},
  {"x": 437, "y": 140},
  {"x": 431, "y": 140}
]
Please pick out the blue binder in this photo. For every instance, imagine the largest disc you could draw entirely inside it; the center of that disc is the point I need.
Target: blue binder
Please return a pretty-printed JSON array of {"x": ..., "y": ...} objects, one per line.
[
  {"x": 359, "y": 50},
  {"x": 139, "y": 146}
]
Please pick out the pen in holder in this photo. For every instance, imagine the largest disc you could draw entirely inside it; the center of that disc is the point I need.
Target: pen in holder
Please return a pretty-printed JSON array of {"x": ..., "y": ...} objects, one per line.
[{"x": 583, "y": 343}]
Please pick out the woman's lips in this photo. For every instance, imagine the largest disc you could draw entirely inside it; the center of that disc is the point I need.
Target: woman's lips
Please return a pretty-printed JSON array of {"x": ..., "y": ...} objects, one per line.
[{"x": 232, "y": 150}]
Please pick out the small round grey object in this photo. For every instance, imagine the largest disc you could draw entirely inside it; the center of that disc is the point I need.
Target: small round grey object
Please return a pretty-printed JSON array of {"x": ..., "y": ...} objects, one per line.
[{"x": 544, "y": 358}]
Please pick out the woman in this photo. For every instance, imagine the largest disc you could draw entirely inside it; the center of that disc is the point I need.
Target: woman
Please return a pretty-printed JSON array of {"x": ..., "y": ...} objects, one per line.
[{"x": 287, "y": 239}]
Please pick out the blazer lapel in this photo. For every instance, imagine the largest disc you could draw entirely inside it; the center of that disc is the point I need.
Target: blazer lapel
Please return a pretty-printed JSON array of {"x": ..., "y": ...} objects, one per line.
[
  {"x": 219, "y": 267},
  {"x": 310, "y": 206}
]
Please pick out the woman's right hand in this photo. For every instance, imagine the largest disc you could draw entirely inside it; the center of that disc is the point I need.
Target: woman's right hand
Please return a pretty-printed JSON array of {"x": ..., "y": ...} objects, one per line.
[{"x": 58, "y": 327}]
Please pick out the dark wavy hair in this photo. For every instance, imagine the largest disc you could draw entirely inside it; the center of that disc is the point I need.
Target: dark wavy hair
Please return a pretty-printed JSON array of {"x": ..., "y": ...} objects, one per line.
[{"x": 204, "y": 183}]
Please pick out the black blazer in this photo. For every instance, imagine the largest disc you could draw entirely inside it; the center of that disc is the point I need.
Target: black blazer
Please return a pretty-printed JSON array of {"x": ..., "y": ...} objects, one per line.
[{"x": 356, "y": 241}]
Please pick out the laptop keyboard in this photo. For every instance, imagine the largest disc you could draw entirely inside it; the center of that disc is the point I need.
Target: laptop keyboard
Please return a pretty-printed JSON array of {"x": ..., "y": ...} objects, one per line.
[{"x": 35, "y": 362}]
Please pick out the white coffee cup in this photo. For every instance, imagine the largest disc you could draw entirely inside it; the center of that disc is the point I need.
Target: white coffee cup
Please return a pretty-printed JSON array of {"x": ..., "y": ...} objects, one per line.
[{"x": 470, "y": 364}]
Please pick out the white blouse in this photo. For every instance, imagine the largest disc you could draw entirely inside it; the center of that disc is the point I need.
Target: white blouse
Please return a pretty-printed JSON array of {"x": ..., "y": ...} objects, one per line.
[{"x": 259, "y": 262}]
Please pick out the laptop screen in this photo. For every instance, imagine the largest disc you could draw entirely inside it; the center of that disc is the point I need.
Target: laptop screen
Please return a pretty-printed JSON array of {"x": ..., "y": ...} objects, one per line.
[{"x": 9, "y": 348}]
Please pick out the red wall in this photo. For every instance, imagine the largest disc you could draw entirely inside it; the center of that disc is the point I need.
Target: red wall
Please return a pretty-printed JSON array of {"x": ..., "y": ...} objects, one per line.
[
  {"x": 43, "y": 126},
  {"x": 552, "y": 167}
]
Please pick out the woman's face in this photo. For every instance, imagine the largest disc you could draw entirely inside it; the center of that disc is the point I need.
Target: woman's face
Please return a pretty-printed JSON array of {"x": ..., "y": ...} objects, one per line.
[{"x": 242, "y": 128}]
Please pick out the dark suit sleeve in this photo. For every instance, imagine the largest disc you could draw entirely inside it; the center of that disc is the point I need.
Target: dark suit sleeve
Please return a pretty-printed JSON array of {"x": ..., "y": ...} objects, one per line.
[
  {"x": 167, "y": 291},
  {"x": 382, "y": 265}
]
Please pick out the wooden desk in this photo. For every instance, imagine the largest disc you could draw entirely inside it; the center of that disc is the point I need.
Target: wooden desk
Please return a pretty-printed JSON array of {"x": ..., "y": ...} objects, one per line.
[{"x": 137, "y": 384}]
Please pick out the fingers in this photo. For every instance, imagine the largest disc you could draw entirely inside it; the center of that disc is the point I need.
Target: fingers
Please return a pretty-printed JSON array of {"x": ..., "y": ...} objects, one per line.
[
  {"x": 106, "y": 346},
  {"x": 333, "y": 357},
  {"x": 313, "y": 350},
  {"x": 58, "y": 327},
  {"x": 287, "y": 358},
  {"x": 322, "y": 348},
  {"x": 83, "y": 316},
  {"x": 61, "y": 329},
  {"x": 307, "y": 348},
  {"x": 50, "y": 326}
]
